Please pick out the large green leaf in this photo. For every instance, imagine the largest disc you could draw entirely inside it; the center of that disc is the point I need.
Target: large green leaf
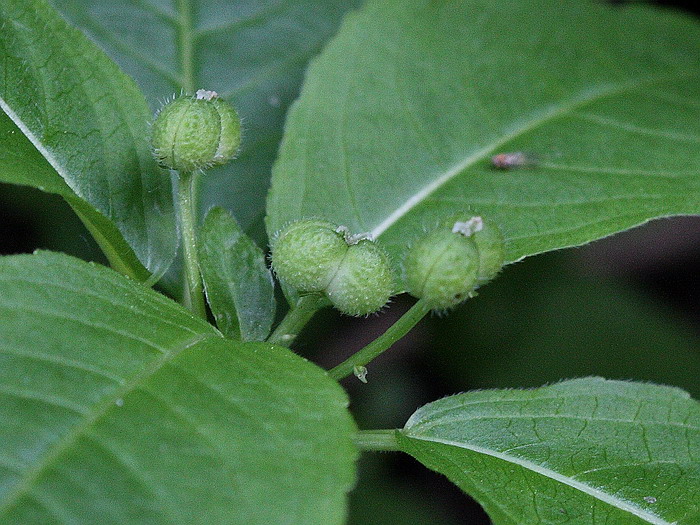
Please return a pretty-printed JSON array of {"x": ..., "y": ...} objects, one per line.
[
  {"x": 584, "y": 451},
  {"x": 251, "y": 52},
  {"x": 21, "y": 163},
  {"x": 88, "y": 121},
  {"x": 239, "y": 285},
  {"x": 399, "y": 116},
  {"x": 118, "y": 406}
]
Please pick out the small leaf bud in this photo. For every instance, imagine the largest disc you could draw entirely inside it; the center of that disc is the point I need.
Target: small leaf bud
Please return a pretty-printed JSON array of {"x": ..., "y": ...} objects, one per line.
[
  {"x": 196, "y": 132},
  {"x": 364, "y": 281},
  {"x": 306, "y": 254},
  {"x": 442, "y": 268}
]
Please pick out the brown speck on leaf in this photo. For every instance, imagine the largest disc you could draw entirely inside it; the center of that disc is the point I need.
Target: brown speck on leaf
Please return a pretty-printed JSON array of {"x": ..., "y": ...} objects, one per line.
[{"x": 514, "y": 160}]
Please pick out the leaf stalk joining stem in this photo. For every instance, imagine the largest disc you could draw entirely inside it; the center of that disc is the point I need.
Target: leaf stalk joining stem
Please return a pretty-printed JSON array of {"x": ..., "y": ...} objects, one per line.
[{"x": 376, "y": 440}]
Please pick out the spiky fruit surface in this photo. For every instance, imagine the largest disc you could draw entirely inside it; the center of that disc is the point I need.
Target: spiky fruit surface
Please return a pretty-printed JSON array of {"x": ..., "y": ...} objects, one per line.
[
  {"x": 306, "y": 254},
  {"x": 192, "y": 133},
  {"x": 364, "y": 281},
  {"x": 316, "y": 256},
  {"x": 442, "y": 268},
  {"x": 488, "y": 238},
  {"x": 492, "y": 251}
]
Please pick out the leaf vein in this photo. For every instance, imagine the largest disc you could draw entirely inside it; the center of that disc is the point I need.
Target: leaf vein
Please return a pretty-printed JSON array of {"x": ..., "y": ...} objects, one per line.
[
  {"x": 65, "y": 443},
  {"x": 612, "y": 500},
  {"x": 69, "y": 363},
  {"x": 552, "y": 113}
]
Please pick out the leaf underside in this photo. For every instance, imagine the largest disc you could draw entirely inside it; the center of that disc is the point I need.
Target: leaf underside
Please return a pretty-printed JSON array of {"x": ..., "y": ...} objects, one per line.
[
  {"x": 584, "y": 451},
  {"x": 400, "y": 115},
  {"x": 118, "y": 406},
  {"x": 88, "y": 121}
]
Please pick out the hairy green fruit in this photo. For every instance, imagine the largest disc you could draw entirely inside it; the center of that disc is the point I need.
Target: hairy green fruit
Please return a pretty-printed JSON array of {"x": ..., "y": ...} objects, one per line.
[
  {"x": 316, "y": 256},
  {"x": 492, "y": 251},
  {"x": 489, "y": 240},
  {"x": 195, "y": 133},
  {"x": 307, "y": 253},
  {"x": 363, "y": 282},
  {"x": 442, "y": 268}
]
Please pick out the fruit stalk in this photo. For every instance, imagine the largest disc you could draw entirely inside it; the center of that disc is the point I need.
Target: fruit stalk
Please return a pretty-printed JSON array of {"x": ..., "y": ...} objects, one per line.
[
  {"x": 355, "y": 364},
  {"x": 193, "y": 297},
  {"x": 297, "y": 317}
]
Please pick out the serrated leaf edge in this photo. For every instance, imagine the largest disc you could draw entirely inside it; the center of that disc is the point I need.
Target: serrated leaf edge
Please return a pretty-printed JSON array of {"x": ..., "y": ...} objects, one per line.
[{"x": 538, "y": 469}]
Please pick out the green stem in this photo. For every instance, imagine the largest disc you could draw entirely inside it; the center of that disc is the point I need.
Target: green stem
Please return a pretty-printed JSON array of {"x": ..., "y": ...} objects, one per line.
[
  {"x": 193, "y": 297},
  {"x": 297, "y": 317},
  {"x": 355, "y": 364},
  {"x": 376, "y": 440}
]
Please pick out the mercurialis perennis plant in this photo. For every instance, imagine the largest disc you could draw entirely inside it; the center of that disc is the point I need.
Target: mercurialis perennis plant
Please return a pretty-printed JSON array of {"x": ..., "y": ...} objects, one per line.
[{"x": 234, "y": 299}]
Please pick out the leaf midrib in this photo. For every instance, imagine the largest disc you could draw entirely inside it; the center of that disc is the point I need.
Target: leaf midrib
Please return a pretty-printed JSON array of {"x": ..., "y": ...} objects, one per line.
[
  {"x": 91, "y": 418},
  {"x": 446, "y": 419},
  {"x": 615, "y": 502},
  {"x": 554, "y": 112}
]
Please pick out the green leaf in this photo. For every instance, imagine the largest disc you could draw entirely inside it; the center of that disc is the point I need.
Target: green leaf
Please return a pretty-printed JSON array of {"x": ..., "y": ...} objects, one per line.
[
  {"x": 399, "y": 116},
  {"x": 238, "y": 283},
  {"x": 581, "y": 451},
  {"x": 252, "y": 53},
  {"x": 88, "y": 123},
  {"x": 22, "y": 164},
  {"x": 118, "y": 406}
]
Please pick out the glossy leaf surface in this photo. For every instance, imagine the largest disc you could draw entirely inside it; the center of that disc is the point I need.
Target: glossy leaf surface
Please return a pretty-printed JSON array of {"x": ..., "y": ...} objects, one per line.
[
  {"x": 251, "y": 52},
  {"x": 21, "y": 163},
  {"x": 238, "y": 283},
  {"x": 70, "y": 103},
  {"x": 400, "y": 115},
  {"x": 118, "y": 406},
  {"x": 583, "y": 451}
]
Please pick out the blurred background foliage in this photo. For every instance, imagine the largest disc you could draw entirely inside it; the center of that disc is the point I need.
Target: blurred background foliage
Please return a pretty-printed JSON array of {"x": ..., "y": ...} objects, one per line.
[{"x": 623, "y": 307}]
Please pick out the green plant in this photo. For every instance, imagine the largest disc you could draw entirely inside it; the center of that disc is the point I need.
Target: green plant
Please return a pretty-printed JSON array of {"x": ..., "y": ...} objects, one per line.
[{"x": 118, "y": 405}]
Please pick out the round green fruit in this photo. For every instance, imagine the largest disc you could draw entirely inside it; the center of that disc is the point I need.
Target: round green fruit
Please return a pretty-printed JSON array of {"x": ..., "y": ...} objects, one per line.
[
  {"x": 488, "y": 239},
  {"x": 442, "y": 268},
  {"x": 364, "y": 281},
  {"x": 492, "y": 251},
  {"x": 193, "y": 133},
  {"x": 306, "y": 254}
]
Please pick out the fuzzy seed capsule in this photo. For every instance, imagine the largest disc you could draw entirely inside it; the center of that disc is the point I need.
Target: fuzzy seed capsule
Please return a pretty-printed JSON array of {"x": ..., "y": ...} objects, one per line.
[
  {"x": 442, "y": 268},
  {"x": 307, "y": 253},
  {"x": 364, "y": 281},
  {"x": 316, "y": 256},
  {"x": 196, "y": 132},
  {"x": 489, "y": 240},
  {"x": 492, "y": 251}
]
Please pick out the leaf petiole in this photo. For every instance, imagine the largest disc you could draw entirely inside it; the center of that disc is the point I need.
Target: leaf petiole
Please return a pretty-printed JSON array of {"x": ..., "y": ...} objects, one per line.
[
  {"x": 377, "y": 440},
  {"x": 395, "y": 332}
]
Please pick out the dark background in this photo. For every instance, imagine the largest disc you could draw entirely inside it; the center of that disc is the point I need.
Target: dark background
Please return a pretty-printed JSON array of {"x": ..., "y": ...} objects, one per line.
[{"x": 623, "y": 307}]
